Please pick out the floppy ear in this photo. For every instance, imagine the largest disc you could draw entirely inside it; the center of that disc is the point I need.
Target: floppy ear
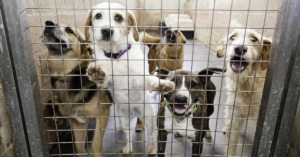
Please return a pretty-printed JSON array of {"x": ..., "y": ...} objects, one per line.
[
  {"x": 265, "y": 53},
  {"x": 88, "y": 23},
  {"x": 161, "y": 73},
  {"x": 221, "y": 48},
  {"x": 205, "y": 74},
  {"x": 183, "y": 37},
  {"x": 132, "y": 22}
]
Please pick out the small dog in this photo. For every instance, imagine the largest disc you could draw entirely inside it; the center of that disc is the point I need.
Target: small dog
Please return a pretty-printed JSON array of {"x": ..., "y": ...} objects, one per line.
[
  {"x": 167, "y": 50},
  {"x": 241, "y": 62},
  {"x": 82, "y": 102},
  {"x": 122, "y": 67},
  {"x": 183, "y": 111}
]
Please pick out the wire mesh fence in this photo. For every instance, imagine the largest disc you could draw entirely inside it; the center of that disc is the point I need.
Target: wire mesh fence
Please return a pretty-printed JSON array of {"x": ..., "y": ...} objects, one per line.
[{"x": 162, "y": 78}]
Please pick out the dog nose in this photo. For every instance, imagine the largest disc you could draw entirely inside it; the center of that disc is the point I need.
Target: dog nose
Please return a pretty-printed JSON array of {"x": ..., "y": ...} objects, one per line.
[
  {"x": 240, "y": 49},
  {"x": 180, "y": 99},
  {"x": 50, "y": 23},
  {"x": 107, "y": 31}
]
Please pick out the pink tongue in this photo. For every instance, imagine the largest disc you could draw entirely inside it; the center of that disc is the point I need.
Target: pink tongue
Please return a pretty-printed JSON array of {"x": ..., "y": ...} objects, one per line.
[
  {"x": 236, "y": 66},
  {"x": 180, "y": 110}
]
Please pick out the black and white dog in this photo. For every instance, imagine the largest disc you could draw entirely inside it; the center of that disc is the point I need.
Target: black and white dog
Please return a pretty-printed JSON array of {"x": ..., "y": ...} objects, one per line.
[{"x": 185, "y": 111}]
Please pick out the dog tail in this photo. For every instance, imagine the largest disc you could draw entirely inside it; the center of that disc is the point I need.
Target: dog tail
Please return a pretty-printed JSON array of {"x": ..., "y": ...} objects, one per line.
[{"x": 146, "y": 38}]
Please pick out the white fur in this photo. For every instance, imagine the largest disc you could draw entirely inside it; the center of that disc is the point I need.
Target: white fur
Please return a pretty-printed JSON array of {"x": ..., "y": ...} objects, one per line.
[{"x": 112, "y": 67}]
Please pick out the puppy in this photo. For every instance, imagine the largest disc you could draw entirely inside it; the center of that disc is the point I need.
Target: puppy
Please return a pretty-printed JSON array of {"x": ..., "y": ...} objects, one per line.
[
  {"x": 185, "y": 110},
  {"x": 242, "y": 67},
  {"x": 122, "y": 67},
  {"x": 78, "y": 95},
  {"x": 168, "y": 50}
]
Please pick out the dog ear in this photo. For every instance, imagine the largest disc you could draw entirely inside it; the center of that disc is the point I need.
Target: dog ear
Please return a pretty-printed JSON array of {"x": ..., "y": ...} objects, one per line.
[
  {"x": 88, "y": 23},
  {"x": 161, "y": 73},
  {"x": 183, "y": 37},
  {"x": 85, "y": 47},
  {"x": 265, "y": 53},
  {"x": 132, "y": 22},
  {"x": 221, "y": 48},
  {"x": 205, "y": 74}
]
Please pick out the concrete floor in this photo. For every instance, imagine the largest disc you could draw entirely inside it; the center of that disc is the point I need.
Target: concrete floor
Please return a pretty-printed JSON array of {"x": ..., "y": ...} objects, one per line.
[{"x": 212, "y": 147}]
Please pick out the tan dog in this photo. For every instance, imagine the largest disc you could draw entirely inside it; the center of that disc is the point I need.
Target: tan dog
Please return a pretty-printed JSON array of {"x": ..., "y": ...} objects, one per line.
[
  {"x": 82, "y": 102},
  {"x": 242, "y": 53},
  {"x": 168, "y": 50}
]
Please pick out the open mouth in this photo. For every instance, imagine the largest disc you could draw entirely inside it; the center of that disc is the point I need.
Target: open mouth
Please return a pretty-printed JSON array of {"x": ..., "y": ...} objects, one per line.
[
  {"x": 238, "y": 64},
  {"x": 180, "y": 110}
]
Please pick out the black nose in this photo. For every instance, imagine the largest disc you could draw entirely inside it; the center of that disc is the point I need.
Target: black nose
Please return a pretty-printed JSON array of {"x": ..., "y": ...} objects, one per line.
[
  {"x": 107, "y": 32},
  {"x": 240, "y": 49},
  {"x": 180, "y": 99},
  {"x": 50, "y": 23}
]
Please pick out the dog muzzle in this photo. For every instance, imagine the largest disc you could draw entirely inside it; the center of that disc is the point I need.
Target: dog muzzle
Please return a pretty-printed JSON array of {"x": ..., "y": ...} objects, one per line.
[{"x": 180, "y": 118}]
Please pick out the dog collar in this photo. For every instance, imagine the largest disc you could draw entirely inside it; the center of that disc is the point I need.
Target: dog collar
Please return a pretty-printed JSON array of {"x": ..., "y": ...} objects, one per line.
[
  {"x": 117, "y": 55},
  {"x": 180, "y": 118}
]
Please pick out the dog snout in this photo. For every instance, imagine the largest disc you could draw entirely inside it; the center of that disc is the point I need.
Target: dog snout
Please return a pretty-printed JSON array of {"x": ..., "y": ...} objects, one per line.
[
  {"x": 181, "y": 99},
  {"x": 240, "y": 49},
  {"x": 50, "y": 23},
  {"x": 107, "y": 32},
  {"x": 168, "y": 31}
]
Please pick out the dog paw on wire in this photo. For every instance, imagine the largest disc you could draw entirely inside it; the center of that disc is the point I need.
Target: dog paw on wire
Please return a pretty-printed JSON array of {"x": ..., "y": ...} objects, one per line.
[
  {"x": 163, "y": 86},
  {"x": 96, "y": 74}
]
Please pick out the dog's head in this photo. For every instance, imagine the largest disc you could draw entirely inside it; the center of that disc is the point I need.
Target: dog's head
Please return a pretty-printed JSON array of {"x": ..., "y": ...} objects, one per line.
[
  {"x": 189, "y": 88},
  {"x": 243, "y": 50},
  {"x": 66, "y": 42},
  {"x": 172, "y": 37},
  {"x": 109, "y": 21}
]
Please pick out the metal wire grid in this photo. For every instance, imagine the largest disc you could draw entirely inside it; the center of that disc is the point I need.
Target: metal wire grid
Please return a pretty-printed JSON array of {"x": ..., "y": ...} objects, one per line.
[{"x": 192, "y": 60}]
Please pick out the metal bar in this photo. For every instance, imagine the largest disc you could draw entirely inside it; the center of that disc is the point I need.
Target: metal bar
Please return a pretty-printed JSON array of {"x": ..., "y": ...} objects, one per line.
[
  {"x": 26, "y": 86},
  {"x": 279, "y": 89}
]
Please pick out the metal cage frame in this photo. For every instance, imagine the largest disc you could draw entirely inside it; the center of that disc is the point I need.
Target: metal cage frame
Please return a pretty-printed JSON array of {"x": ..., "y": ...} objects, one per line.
[{"x": 18, "y": 74}]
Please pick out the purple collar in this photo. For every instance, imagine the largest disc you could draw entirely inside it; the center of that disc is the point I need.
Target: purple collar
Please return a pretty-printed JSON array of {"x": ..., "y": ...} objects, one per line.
[{"x": 117, "y": 55}]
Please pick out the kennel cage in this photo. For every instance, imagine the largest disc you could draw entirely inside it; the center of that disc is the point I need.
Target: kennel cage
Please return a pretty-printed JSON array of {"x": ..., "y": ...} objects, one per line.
[{"x": 22, "y": 93}]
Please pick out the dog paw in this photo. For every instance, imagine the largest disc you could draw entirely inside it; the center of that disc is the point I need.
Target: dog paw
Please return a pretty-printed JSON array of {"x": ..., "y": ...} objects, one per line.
[
  {"x": 127, "y": 149},
  {"x": 152, "y": 150},
  {"x": 164, "y": 86},
  {"x": 139, "y": 127},
  {"x": 96, "y": 74},
  {"x": 208, "y": 134},
  {"x": 225, "y": 130}
]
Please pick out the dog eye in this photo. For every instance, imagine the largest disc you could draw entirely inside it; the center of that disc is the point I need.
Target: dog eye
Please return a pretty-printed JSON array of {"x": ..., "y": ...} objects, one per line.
[
  {"x": 254, "y": 39},
  {"x": 69, "y": 30},
  {"x": 98, "y": 16},
  {"x": 118, "y": 18},
  {"x": 193, "y": 84},
  {"x": 232, "y": 37}
]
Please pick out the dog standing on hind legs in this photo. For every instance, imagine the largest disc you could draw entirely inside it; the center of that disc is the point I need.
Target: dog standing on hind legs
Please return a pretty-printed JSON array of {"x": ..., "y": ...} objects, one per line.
[
  {"x": 82, "y": 102},
  {"x": 122, "y": 67},
  {"x": 242, "y": 66}
]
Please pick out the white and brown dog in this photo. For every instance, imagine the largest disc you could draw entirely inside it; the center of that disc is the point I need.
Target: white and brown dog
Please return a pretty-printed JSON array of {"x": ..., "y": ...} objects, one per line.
[
  {"x": 121, "y": 68},
  {"x": 246, "y": 57}
]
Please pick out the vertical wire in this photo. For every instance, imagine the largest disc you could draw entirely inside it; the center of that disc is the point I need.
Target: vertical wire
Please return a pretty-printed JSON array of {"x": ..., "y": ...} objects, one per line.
[
  {"x": 144, "y": 119},
  {"x": 83, "y": 101},
  {"x": 193, "y": 51},
  {"x": 128, "y": 96},
  {"x": 206, "y": 81},
  {"x": 233, "y": 107},
  {"x": 222, "y": 77},
  {"x": 259, "y": 52},
  {"x": 113, "y": 84},
  {"x": 49, "y": 77},
  {"x": 63, "y": 65}
]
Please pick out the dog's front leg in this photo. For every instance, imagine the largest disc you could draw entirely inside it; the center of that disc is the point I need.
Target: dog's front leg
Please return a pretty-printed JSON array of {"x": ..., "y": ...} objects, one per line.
[
  {"x": 155, "y": 84},
  {"x": 79, "y": 137},
  {"x": 198, "y": 146},
  {"x": 162, "y": 138}
]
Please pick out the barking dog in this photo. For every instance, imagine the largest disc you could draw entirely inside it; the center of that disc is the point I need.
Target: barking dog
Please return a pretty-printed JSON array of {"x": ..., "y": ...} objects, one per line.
[
  {"x": 242, "y": 66},
  {"x": 183, "y": 111},
  {"x": 165, "y": 51},
  {"x": 58, "y": 41},
  {"x": 122, "y": 68}
]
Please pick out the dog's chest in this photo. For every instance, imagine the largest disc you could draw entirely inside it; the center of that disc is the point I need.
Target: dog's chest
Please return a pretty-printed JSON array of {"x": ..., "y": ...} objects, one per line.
[{"x": 184, "y": 128}]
